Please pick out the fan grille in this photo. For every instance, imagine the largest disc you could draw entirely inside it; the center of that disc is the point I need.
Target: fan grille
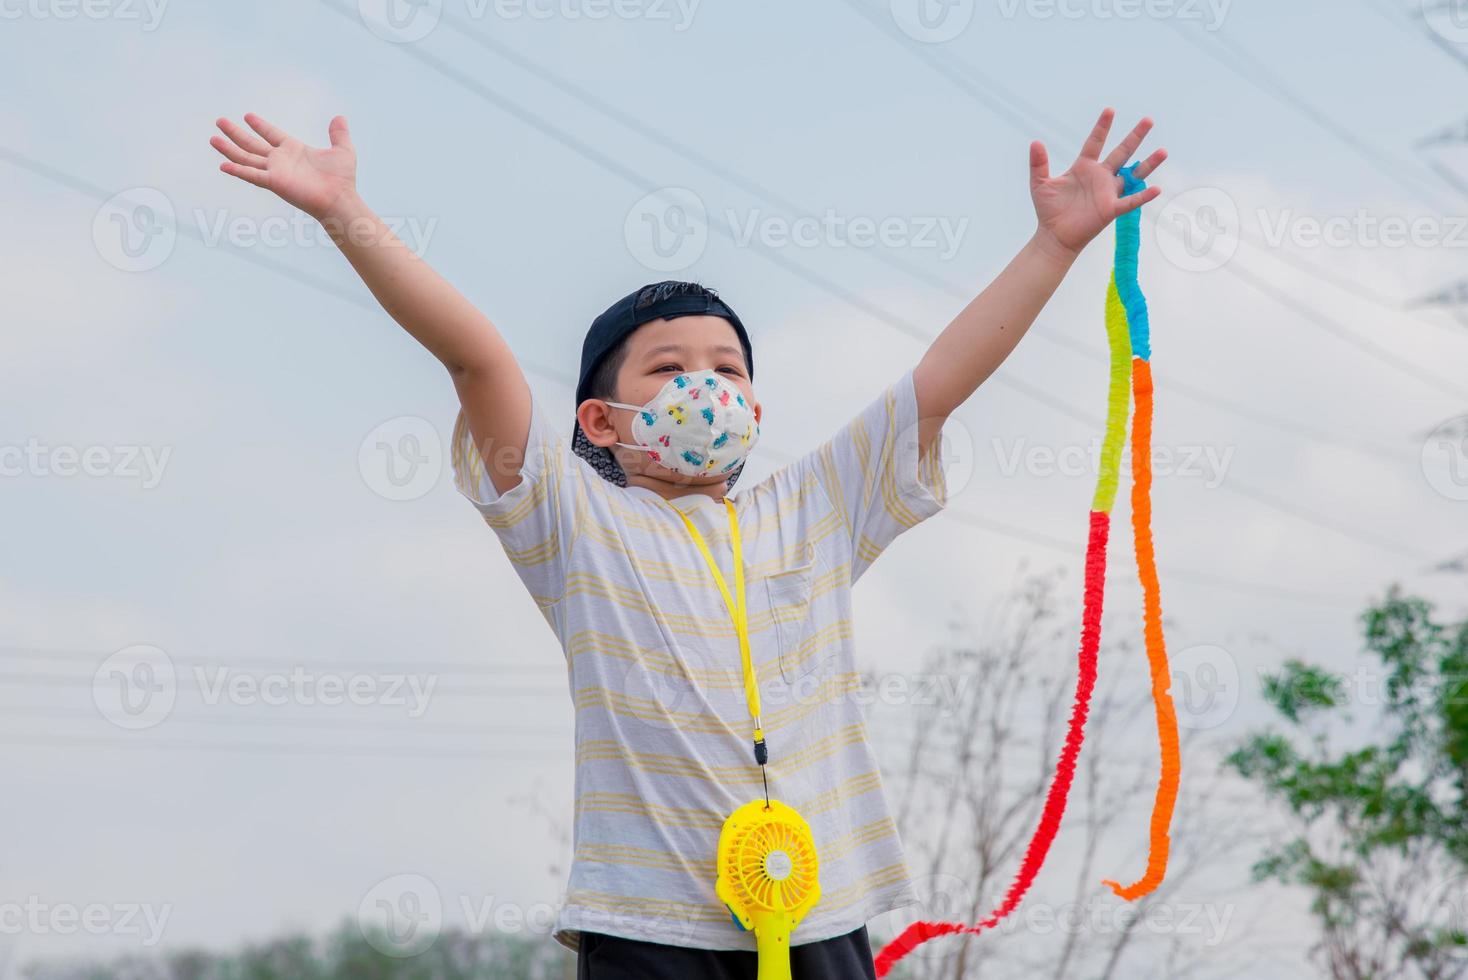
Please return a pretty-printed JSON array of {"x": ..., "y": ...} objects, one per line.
[{"x": 750, "y": 864}]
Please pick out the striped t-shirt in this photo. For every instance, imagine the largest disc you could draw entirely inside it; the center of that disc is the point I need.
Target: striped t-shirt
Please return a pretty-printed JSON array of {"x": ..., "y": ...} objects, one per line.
[{"x": 663, "y": 751}]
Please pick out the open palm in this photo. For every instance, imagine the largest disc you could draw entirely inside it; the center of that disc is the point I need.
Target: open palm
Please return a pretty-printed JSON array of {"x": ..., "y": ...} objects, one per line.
[
  {"x": 1074, "y": 207},
  {"x": 307, "y": 177}
]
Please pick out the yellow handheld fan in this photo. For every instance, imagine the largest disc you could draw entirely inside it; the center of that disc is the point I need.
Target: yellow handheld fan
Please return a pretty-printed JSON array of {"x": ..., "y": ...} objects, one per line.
[{"x": 768, "y": 877}]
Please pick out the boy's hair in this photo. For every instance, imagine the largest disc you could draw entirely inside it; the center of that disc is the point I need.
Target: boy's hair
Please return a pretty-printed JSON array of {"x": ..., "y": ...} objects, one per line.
[{"x": 605, "y": 351}]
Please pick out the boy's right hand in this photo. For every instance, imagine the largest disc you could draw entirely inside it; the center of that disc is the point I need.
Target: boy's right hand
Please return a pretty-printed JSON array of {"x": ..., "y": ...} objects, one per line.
[
  {"x": 323, "y": 183},
  {"x": 314, "y": 180}
]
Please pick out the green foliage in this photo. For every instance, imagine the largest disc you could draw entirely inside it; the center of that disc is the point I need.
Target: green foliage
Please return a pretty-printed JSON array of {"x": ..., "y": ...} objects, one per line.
[
  {"x": 1300, "y": 688},
  {"x": 1381, "y": 839}
]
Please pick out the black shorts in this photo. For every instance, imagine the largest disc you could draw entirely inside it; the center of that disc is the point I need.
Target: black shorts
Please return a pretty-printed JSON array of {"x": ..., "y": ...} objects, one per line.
[{"x": 847, "y": 957}]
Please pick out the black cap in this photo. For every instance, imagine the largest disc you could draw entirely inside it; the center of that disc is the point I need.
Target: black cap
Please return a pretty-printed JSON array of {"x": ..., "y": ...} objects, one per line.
[
  {"x": 624, "y": 316},
  {"x": 661, "y": 300}
]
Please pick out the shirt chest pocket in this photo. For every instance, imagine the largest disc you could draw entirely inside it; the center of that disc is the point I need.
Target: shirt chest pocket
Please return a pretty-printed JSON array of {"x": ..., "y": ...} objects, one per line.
[{"x": 789, "y": 591}]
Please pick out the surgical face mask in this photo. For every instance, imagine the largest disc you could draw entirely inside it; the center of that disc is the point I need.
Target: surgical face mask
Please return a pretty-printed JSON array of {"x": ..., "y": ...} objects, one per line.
[{"x": 698, "y": 423}]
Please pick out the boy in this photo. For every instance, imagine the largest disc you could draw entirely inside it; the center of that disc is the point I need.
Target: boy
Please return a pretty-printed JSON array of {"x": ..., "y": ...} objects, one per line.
[{"x": 626, "y": 536}]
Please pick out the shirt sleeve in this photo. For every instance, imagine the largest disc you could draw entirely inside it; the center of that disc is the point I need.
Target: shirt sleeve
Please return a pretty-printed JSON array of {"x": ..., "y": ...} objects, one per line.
[
  {"x": 874, "y": 476},
  {"x": 537, "y": 520}
]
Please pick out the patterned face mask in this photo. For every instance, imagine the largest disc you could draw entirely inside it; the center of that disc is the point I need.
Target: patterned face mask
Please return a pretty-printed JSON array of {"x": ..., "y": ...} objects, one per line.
[{"x": 697, "y": 423}]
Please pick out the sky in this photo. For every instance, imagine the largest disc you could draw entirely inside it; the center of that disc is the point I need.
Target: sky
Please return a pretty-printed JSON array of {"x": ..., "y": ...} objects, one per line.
[{"x": 221, "y": 463}]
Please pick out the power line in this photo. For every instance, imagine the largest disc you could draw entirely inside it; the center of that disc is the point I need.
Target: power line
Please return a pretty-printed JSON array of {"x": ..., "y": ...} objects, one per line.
[
  {"x": 191, "y": 233},
  {"x": 956, "y": 71},
  {"x": 931, "y": 58},
  {"x": 1393, "y": 16},
  {"x": 1449, "y": 177},
  {"x": 132, "y": 741},
  {"x": 402, "y": 727},
  {"x": 256, "y": 665},
  {"x": 1238, "y": 60},
  {"x": 1300, "y": 265},
  {"x": 65, "y": 680},
  {"x": 1429, "y": 378},
  {"x": 1002, "y": 106},
  {"x": 1425, "y": 30},
  {"x": 30, "y": 740},
  {"x": 1203, "y": 578},
  {"x": 1451, "y": 135},
  {"x": 1365, "y": 447},
  {"x": 1311, "y": 517},
  {"x": 1355, "y": 288},
  {"x": 1453, "y": 295},
  {"x": 1438, "y": 41}
]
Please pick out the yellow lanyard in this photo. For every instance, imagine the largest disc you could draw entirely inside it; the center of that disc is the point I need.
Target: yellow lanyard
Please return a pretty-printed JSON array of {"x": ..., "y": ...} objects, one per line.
[{"x": 738, "y": 613}]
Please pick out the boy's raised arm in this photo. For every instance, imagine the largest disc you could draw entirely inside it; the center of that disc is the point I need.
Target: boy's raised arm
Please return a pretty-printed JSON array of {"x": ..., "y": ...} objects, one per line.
[
  {"x": 322, "y": 183},
  {"x": 1071, "y": 210}
]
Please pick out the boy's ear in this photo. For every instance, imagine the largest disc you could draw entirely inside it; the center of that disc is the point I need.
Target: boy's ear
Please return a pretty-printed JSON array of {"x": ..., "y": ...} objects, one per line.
[{"x": 595, "y": 417}]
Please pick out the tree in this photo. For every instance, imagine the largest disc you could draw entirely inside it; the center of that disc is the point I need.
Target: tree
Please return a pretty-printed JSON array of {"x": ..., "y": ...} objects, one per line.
[{"x": 1378, "y": 828}]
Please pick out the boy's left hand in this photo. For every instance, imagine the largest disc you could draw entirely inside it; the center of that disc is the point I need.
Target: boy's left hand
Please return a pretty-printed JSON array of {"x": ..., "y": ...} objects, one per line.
[{"x": 1074, "y": 208}]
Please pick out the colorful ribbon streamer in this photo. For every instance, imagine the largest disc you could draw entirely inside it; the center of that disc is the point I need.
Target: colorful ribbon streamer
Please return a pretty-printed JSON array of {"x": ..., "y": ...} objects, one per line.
[
  {"x": 1129, "y": 232},
  {"x": 1129, "y": 341}
]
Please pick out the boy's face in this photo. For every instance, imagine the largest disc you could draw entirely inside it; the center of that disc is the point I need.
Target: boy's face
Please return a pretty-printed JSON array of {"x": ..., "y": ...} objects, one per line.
[{"x": 658, "y": 351}]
